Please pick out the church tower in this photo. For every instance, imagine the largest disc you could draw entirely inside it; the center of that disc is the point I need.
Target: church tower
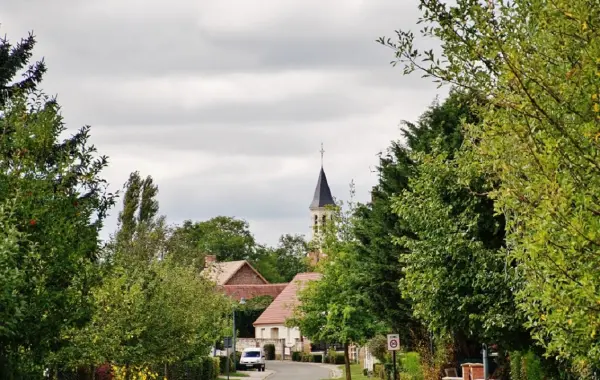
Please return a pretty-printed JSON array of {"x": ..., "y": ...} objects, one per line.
[{"x": 319, "y": 208}]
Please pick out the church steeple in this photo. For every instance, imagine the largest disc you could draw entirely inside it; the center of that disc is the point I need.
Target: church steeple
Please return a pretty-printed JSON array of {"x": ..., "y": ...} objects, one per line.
[
  {"x": 319, "y": 210},
  {"x": 322, "y": 197}
]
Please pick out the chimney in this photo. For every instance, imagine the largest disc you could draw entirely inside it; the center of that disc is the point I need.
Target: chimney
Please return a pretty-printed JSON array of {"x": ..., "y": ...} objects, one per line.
[{"x": 209, "y": 260}]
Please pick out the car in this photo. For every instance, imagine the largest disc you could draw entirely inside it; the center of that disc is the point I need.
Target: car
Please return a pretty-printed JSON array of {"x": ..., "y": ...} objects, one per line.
[{"x": 253, "y": 358}]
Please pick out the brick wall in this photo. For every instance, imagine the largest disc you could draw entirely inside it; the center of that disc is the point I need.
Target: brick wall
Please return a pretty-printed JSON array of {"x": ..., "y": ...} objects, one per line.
[{"x": 245, "y": 276}]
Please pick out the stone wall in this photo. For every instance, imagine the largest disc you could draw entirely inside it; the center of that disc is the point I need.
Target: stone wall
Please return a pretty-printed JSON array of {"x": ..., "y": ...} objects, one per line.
[{"x": 242, "y": 343}]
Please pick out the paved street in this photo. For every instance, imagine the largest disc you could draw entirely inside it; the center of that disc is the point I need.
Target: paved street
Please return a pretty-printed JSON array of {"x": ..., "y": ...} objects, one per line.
[{"x": 297, "y": 371}]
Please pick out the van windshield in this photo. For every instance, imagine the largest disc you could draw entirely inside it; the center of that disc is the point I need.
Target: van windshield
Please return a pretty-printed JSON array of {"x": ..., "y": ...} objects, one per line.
[{"x": 251, "y": 354}]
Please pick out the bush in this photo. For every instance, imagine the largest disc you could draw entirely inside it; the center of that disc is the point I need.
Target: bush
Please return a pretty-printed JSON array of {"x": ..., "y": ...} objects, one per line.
[
  {"x": 318, "y": 358},
  {"x": 296, "y": 356},
  {"x": 410, "y": 364},
  {"x": 338, "y": 359},
  {"x": 526, "y": 367},
  {"x": 379, "y": 370},
  {"x": 223, "y": 364},
  {"x": 269, "y": 351}
]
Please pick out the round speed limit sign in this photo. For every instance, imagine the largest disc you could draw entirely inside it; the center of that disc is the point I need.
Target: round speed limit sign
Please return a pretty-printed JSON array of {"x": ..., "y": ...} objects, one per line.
[{"x": 393, "y": 342}]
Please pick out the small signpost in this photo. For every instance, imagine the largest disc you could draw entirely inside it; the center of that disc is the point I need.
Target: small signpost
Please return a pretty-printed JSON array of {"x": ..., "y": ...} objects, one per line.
[
  {"x": 393, "y": 341},
  {"x": 227, "y": 344}
]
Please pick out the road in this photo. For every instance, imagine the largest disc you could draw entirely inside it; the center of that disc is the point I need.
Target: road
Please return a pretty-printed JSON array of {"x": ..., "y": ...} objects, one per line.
[{"x": 296, "y": 371}]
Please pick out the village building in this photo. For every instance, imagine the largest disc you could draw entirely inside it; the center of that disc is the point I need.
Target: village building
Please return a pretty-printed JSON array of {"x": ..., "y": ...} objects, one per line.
[
  {"x": 239, "y": 279},
  {"x": 272, "y": 322},
  {"x": 320, "y": 213}
]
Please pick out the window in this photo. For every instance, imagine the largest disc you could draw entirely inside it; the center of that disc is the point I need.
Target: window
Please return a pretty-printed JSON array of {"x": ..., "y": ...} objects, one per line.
[
  {"x": 316, "y": 220},
  {"x": 262, "y": 333},
  {"x": 275, "y": 333},
  {"x": 251, "y": 354},
  {"x": 324, "y": 219}
]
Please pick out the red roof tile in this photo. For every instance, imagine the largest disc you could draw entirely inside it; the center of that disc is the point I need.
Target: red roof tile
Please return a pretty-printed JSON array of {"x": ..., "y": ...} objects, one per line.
[
  {"x": 251, "y": 291},
  {"x": 282, "y": 307}
]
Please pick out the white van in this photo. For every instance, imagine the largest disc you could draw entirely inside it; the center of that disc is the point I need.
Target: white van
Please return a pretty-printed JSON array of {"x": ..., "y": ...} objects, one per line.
[{"x": 253, "y": 358}]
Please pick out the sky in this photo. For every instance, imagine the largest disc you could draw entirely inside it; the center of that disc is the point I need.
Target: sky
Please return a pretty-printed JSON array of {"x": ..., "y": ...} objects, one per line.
[{"x": 226, "y": 103}]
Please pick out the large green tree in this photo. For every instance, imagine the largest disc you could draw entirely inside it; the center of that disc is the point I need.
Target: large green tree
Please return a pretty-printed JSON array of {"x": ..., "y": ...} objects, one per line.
[
  {"x": 226, "y": 237},
  {"x": 59, "y": 204},
  {"x": 378, "y": 228},
  {"x": 537, "y": 64}
]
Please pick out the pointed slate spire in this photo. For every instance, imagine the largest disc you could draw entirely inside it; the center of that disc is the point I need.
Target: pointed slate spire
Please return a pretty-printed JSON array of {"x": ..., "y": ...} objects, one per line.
[{"x": 322, "y": 195}]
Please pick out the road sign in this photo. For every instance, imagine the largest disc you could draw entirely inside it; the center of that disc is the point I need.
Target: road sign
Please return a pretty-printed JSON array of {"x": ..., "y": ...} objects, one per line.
[
  {"x": 227, "y": 342},
  {"x": 393, "y": 342}
]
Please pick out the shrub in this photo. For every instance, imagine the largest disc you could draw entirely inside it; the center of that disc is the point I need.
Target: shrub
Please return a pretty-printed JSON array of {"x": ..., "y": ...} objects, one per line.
[
  {"x": 296, "y": 356},
  {"x": 410, "y": 364},
  {"x": 338, "y": 359},
  {"x": 269, "y": 351},
  {"x": 318, "y": 358},
  {"x": 526, "y": 366},
  {"x": 223, "y": 364},
  {"x": 379, "y": 370},
  {"x": 515, "y": 365}
]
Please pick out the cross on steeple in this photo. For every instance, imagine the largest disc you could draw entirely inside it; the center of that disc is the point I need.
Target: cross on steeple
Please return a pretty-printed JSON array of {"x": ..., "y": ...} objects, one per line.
[{"x": 322, "y": 151}]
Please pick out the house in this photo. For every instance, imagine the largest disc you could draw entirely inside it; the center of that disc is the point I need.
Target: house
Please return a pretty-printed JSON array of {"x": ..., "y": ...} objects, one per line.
[
  {"x": 271, "y": 323},
  {"x": 231, "y": 272},
  {"x": 239, "y": 279}
]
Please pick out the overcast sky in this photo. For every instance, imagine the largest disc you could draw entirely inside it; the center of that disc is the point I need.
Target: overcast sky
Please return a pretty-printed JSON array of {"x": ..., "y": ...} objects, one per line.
[{"x": 226, "y": 102}]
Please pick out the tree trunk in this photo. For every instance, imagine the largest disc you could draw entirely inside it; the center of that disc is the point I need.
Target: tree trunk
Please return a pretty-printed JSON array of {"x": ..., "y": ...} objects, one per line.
[{"x": 347, "y": 361}]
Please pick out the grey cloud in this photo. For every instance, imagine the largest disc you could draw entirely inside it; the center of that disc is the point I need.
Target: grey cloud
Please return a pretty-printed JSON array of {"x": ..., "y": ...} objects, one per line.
[{"x": 230, "y": 156}]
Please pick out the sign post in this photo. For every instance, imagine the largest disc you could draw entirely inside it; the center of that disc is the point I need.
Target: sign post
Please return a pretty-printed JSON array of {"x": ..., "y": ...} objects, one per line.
[
  {"x": 393, "y": 341},
  {"x": 227, "y": 345}
]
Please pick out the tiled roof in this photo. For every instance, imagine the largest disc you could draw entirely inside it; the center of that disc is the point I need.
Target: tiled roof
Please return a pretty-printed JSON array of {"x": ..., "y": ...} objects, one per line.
[
  {"x": 283, "y": 306},
  {"x": 250, "y": 291},
  {"x": 322, "y": 195},
  {"x": 221, "y": 272}
]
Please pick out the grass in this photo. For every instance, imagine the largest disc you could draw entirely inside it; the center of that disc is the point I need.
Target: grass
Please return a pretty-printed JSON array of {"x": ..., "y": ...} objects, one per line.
[{"x": 355, "y": 370}]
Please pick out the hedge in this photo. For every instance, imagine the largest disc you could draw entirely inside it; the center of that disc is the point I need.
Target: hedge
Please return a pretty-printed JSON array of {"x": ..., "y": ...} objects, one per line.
[{"x": 296, "y": 356}]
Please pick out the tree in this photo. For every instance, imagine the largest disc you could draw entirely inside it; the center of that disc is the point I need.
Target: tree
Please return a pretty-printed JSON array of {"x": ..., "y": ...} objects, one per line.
[
  {"x": 140, "y": 206},
  {"x": 152, "y": 316},
  {"x": 332, "y": 309},
  {"x": 536, "y": 63},
  {"x": 291, "y": 252},
  {"x": 12, "y": 60},
  {"x": 226, "y": 237},
  {"x": 456, "y": 274},
  {"x": 59, "y": 204},
  {"x": 379, "y": 229}
]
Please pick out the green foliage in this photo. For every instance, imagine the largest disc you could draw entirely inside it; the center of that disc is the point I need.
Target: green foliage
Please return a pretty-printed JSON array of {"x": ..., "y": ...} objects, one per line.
[
  {"x": 228, "y": 238},
  {"x": 378, "y": 228},
  {"x": 332, "y": 309},
  {"x": 379, "y": 348},
  {"x": 526, "y": 367},
  {"x": 13, "y": 59},
  {"x": 536, "y": 63},
  {"x": 58, "y": 206},
  {"x": 410, "y": 365},
  {"x": 140, "y": 206},
  {"x": 456, "y": 261}
]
